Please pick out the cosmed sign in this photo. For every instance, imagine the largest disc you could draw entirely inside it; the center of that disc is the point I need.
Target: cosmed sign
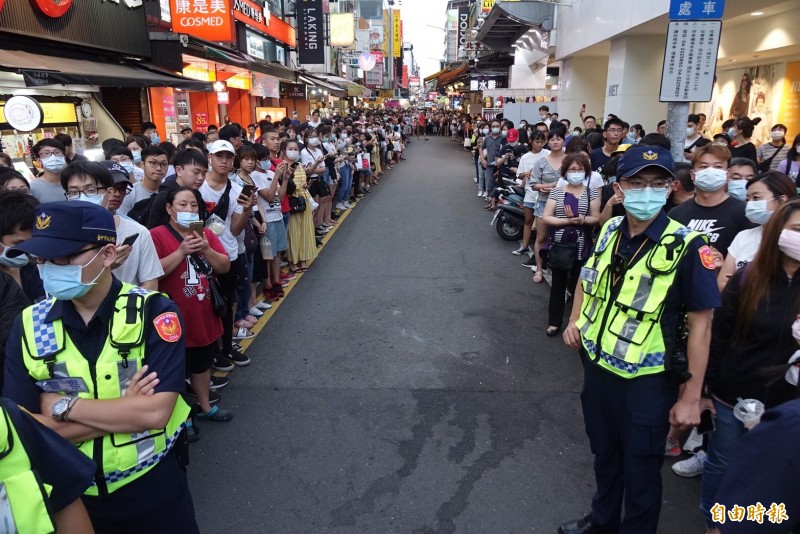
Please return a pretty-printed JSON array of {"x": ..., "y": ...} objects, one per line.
[
  {"x": 207, "y": 19},
  {"x": 690, "y": 61}
]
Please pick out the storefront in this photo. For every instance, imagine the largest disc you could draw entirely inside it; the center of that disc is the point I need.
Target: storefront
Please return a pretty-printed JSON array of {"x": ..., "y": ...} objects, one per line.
[{"x": 63, "y": 94}]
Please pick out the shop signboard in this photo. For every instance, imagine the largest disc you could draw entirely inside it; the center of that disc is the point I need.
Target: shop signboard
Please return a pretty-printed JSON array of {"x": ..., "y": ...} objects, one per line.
[
  {"x": 363, "y": 41},
  {"x": 258, "y": 18},
  {"x": 486, "y": 5},
  {"x": 462, "y": 27},
  {"x": 310, "y": 34},
  {"x": 292, "y": 90},
  {"x": 201, "y": 122},
  {"x": 690, "y": 61},
  {"x": 790, "y": 102},
  {"x": 376, "y": 37},
  {"x": 275, "y": 114},
  {"x": 696, "y": 9},
  {"x": 265, "y": 86},
  {"x": 374, "y": 77},
  {"x": 209, "y": 20},
  {"x": 397, "y": 33},
  {"x": 342, "y": 29}
]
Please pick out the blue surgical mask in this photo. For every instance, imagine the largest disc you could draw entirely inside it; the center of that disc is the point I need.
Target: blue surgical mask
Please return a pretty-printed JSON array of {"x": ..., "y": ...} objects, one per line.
[
  {"x": 97, "y": 199},
  {"x": 737, "y": 189},
  {"x": 155, "y": 138},
  {"x": 485, "y": 131},
  {"x": 14, "y": 263},
  {"x": 631, "y": 136},
  {"x": 183, "y": 218},
  {"x": 710, "y": 179},
  {"x": 128, "y": 166},
  {"x": 731, "y": 132},
  {"x": 313, "y": 141},
  {"x": 495, "y": 131},
  {"x": 644, "y": 204},
  {"x": 137, "y": 155},
  {"x": 344, "y": 136},
  {"x": 504, "y": 133},
  {"x": 756, "y": 211},
  {"x": 54, "y": 163},
  {"x": 64, "y": 281},
  {"x": 575, "y": 178}
]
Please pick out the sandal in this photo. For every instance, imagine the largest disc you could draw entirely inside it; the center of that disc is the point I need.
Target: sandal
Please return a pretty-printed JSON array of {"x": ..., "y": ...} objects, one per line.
[
  {"x": 552, "y": 331},
  {"x": 216, "y": 414},
  {"x": 538, "y": 277}
]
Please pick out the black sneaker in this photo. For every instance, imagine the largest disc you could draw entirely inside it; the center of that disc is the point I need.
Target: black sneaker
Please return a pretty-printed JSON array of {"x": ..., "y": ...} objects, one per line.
[
  {"x": 213, "y": 397},
  {"x": 238, "y": 358},
  {"x": 218, "y": 382},
  {"x": 192, "y": 434},
  {"x": 221, "y": 363},
  {"x": 530, "y": 263}
]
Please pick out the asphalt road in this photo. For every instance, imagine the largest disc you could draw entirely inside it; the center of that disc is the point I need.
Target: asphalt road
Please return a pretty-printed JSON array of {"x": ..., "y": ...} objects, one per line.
[{"x": 406, "y": 384}]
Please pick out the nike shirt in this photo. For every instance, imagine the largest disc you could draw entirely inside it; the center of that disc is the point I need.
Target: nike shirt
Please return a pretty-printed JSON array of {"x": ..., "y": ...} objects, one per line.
[{"x": 721, "y": 223}]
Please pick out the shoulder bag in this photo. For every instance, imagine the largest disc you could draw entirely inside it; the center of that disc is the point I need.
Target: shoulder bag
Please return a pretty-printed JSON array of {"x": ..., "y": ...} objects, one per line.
[{"x": 764, "y": 165}]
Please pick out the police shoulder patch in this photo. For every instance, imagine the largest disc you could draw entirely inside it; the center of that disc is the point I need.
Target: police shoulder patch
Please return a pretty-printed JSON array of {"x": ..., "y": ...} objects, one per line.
[
  {"x": 706, "y": 257},
  {"x": 168, "y": 326}
]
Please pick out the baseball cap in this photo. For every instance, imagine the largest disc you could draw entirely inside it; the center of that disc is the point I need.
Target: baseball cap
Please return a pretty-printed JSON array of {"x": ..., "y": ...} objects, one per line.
[
  {"x": 117, "y": 171},
  {"x": 512, "y": 135},
  {"x": 640, "y": 157},
  {"x": 621, "y": 149},
  {"x": 221, "y": 146},
  {"x": 63, "y": 228}
]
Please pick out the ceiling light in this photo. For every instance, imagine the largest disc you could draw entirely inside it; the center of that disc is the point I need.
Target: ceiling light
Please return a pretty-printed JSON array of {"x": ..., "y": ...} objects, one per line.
[{"x": 757, "y": 13}]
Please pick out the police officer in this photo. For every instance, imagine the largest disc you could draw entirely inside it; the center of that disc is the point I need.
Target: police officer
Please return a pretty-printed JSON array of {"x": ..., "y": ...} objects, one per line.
[
  {"x": 42, "y": 477},
  {"x": 646, "y": 274},
  {"x": 102, "y": 363}
]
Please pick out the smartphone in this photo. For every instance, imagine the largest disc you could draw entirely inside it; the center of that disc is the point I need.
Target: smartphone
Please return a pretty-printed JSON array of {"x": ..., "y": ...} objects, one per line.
[
  {"x": 197, "y": 227},
  {"x": 706, "y": 422},
  {"x": 130, "y": 240},
  {"x": 248, "y": 189}
]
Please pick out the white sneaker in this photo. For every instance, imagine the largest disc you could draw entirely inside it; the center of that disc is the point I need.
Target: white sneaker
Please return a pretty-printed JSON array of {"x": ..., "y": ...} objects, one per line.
[
  {"x": 264, "y": 305},
  {"x": 243, "y": 333},
  {"x": 481, "y": 193},
  {"x": 347, "y": 204},
  {"x": 690, "y": 467},
  {"x": 340, "y": 206},
  {"x": 255, "y": 312}
]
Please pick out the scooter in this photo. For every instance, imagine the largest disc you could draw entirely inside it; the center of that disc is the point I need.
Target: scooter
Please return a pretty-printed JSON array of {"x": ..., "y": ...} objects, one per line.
[{"x": 509, "y": 218}]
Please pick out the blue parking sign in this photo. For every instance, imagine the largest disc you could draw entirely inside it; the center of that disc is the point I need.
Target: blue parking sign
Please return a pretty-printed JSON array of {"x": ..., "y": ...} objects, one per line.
[{"x": 696, "y": 9}]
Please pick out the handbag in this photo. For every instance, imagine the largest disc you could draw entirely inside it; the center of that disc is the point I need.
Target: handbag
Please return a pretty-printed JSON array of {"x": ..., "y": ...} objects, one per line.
[
  {"x": 467, "y": 142},
  {"x": 297, "y": 204},
  {"x": 562, "y": 256},
  {"x": 764, "y": 165},
  {"x": 250, "y": 237}
]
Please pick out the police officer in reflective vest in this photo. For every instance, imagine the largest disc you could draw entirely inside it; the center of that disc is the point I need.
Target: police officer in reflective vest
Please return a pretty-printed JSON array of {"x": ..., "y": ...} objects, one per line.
[
  {"x": 102, "y": 363},
  {"x": 641, "y": 319},
  {"x": 42, "y": 477}
]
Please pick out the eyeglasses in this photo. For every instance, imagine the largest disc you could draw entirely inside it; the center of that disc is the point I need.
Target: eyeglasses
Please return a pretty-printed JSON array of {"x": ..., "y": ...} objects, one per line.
[
  {"x": 158, "y": 164},
  {"x": 49, "y": 153},
  {"x": 122, "y": 189},
  {"x": 89, "y": 191},
  {"x": 614, "y": 130},
  {"x": 638, "y": 184},
  {"x": 65, "y": 260}
]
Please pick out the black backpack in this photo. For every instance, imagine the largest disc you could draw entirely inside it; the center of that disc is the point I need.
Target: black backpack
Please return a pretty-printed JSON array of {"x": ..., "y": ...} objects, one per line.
[{"x": 141, "y": 210}]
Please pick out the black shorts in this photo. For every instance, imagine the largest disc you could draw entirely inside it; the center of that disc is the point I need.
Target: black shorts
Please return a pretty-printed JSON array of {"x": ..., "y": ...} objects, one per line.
[{"x": 200, "y": 359}]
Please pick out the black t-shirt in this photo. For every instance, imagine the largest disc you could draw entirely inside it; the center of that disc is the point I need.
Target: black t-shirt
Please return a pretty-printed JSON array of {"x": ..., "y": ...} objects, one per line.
[
  {"x": 746, "y": 150},
  {"x": 598, "y": 159},
  {"x": 720, "y": 223},
  {"x": 57, "y": 462}
]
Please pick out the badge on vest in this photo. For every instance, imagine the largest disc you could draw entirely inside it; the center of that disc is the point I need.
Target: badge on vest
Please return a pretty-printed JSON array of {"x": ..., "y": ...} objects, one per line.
[
  {"x": 66, "y": 385},
  {"x": 590, "y": 275},
  {"x": 168, "y": 327}
]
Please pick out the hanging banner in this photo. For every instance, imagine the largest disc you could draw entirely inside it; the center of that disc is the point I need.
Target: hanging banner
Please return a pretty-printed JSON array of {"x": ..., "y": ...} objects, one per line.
[
  {"x": 374, "y": 77},
  {"x": 462, "y": 27},
  {"x": 265, "y": 86},
  {"x": 397, "y": 33},
  {"x": 342, "y": 28},
  {"x": 376, "y": 37},
  {"x": 386, "y": 32},
  {"x": 362, "y": 41},
  {"x": 310, "y": 36},
  {"x": 212, "y": 22}
]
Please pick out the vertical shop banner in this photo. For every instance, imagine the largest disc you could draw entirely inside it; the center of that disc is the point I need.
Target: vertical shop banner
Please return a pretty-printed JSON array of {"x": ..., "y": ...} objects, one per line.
[
  {"x": 170, "y": 118},
  {"x": 397, "y": 33},
  {"x": 362, "y": 41},
  {"x": 790, "y": 101},
  {"x": 211, "y": 20},
  {"x": 310, "y": 34},
  {"x": 374, "y": 76},
  {"x": 462, "y": 26},
  {"x": 404, "y": 77},
  {"x": 386, "y": 42}
]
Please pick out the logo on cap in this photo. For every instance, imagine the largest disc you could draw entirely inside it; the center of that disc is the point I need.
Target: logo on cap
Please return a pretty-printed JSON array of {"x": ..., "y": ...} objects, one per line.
[
  {"x": 650, "y": 155},
  {"x": 43, "y": 221}
]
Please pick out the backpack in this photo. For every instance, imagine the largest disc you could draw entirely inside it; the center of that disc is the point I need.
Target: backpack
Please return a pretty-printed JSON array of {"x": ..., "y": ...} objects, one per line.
[{"x": 141, "y": 210}]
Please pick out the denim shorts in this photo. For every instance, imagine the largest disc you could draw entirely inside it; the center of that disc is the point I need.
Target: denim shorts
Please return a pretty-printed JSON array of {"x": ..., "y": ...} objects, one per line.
[
  {"x": 529, "y": 205},
  {"x": 538, "y": 210},
  {"x": 276, "y": 231}
]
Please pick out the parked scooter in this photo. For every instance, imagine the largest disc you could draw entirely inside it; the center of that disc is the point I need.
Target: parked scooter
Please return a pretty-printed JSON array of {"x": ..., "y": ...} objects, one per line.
[{"x": 509, "y": 218}]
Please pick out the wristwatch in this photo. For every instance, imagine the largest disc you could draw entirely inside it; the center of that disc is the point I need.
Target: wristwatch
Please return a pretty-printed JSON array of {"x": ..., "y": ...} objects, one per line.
[{"x": 62, "y": 407}]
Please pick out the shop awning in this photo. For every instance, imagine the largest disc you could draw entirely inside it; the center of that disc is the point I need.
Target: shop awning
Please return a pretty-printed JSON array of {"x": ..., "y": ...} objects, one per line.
[
  {"x": 508, "y": 21},
  {"x": 276, "y": 70},
  {"x": 453, "y": 75},
  {"x": 436, "y": 75},
  {"x": 38, "y": 70},
  {"x": 351, "y": 86},
  {"x": 334, "y": 89}
]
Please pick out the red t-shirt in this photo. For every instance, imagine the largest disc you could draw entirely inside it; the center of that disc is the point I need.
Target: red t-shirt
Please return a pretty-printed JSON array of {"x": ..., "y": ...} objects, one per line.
[{"x": 189, "y": 289}]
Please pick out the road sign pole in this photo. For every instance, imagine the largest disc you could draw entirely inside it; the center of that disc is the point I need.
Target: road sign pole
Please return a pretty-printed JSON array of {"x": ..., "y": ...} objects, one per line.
[{"x": 677, "y": 118}]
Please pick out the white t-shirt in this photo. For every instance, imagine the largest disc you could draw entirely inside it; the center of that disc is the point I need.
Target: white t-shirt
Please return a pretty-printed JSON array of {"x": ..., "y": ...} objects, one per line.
[
  {"x": 211, "y": 198},
  {"x": 745, "y": 245},
  {"x": 138, "y": 174},
  {"x": 270, "y": 210},
  {"x": 137, "y": 193},
  {"x": 595, "y": 181},
  {"x": 526, "y": 165},
  {"x": 143, "y": 264},
  {"x": 308, "y": 155}
]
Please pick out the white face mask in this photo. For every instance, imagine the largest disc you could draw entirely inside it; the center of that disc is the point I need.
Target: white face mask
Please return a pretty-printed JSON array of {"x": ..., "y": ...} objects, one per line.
[
  {"x": 689, "y": 131},
  {"x": 710, "y": 179},
  {"x": 777, "y": 134},
  {"x": 575, "y": 178},
  {"x": 293, "y": 155}
]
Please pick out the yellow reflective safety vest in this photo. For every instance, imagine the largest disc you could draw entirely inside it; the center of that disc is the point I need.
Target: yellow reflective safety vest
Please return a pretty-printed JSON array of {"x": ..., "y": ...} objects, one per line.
[
  {"x": 48, "y": 352},
  {"x": 24, "y": 499},
  {"x": 621, "y": 330}
]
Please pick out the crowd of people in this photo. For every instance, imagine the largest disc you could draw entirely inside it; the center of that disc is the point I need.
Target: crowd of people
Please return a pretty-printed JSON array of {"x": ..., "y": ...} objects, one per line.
[
  {"x": 220, "y": 224},
  {"x": 599, "y": 203}
]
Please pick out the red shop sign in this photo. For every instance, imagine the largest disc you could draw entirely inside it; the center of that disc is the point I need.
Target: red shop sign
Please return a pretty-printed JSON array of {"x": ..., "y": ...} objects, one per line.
[{"x": 51, "y": 8}]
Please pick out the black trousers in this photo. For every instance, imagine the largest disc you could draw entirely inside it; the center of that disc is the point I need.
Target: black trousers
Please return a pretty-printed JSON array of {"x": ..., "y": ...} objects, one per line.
[
  {"x": 562, "y": 280},
  {"x": 627, "y": 421}
]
